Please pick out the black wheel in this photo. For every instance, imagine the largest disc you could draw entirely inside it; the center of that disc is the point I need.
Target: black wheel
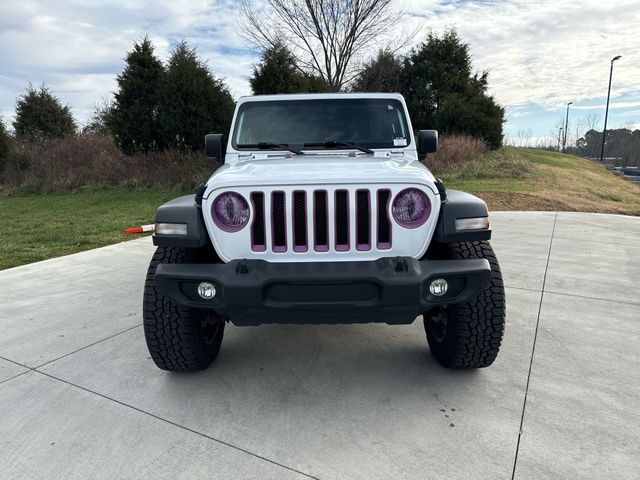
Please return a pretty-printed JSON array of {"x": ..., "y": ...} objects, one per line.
[
  {"x": 179, "y": 339},
  {"x": 468, "y": 335}
]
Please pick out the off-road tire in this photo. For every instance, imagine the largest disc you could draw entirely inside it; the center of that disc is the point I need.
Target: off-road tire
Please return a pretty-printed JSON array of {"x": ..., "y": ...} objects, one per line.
[
  {"x": 473, "y": 330},
  {"x": 179, "y": 339}
]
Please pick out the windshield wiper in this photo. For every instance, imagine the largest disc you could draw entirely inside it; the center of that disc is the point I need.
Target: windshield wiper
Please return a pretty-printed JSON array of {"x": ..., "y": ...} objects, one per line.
[
  {"x": 270, "y": 146},
  {"x": 336, "y": 144}
]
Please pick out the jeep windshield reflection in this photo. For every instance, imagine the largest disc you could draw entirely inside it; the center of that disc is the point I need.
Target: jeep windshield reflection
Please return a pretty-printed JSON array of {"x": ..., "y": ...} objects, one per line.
[{"x": 343, "y": 124}]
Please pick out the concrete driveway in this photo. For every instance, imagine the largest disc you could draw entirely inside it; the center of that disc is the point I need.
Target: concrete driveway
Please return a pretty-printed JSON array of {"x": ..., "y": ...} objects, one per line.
[{"x": 80, "y": 397}]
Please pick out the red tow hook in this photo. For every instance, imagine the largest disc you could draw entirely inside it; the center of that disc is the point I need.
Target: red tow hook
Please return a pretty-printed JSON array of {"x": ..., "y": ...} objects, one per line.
[{"x": 141, "y": 229}]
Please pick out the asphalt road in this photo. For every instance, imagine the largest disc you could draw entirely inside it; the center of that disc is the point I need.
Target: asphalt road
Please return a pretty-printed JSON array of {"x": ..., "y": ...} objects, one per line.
[{"x": 80, "y": 397}]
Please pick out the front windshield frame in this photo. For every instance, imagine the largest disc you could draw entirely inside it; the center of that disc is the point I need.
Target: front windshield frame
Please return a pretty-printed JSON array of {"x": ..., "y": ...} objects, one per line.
[{"x": 397, "y": 139}]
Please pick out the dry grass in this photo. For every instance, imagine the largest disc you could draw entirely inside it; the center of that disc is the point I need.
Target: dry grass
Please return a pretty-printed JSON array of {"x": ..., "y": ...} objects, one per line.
[
  {"x": 527, "y": 179},
  {"x": 93, "y": 162},
  {"x": 455, "y": 151}
]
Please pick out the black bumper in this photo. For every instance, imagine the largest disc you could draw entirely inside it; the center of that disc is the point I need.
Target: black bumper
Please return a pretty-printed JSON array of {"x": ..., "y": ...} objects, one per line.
[{"x": 388, "y": 290}]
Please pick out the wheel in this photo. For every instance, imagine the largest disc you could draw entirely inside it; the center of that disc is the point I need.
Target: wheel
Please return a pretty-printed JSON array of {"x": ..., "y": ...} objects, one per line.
[
  {"x": 179, "y": 339},
  {"x": 468, "y": 335}
]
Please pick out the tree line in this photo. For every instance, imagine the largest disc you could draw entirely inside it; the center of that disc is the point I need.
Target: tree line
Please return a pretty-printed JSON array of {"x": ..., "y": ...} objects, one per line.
[
  {"x": 621, "y": 144},
  {"x": 161, "y": 105}
]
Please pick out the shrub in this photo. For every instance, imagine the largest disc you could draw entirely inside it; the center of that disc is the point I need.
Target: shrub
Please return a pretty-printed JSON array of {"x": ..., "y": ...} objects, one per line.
[
  {"x": 466, "y": 157},
  {"x": 90, "y": 161},
  {"x": 39, "y": 113},
  {"x": 6, "y": 146},
  {"x": 454, "y": 152}
]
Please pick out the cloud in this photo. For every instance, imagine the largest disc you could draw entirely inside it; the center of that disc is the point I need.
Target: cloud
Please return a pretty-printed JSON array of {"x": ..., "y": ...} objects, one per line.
[
  {"x": 612, "y": 105},
  {"x": 77, "y": 48},
  {"x": 540, "y": 54},
  {"x": 545, "y": 52}
]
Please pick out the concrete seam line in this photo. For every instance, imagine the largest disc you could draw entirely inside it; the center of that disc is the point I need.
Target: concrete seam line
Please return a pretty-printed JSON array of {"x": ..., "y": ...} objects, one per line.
[
  {"x": 592, "y": 298},
  {"x": 576, "y": 237},
  {"x": 525, "y": 289},
  {"x": 87, "y": 346},
  {"x": 15, "y": 363},
  {"x": 196, "y": 432},
  {"x": 15, "y": 376},
  {"x": 533, "y": 349}
]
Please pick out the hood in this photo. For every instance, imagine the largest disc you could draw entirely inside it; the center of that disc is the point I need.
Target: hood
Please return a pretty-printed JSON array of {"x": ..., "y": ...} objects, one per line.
[{"x": 325, "y": 170}]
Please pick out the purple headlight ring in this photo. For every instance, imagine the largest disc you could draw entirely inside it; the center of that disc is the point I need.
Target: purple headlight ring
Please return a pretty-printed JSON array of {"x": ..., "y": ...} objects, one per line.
[
  {"x": 423, "y": 207},
  {"x": 240, "y": 201}
]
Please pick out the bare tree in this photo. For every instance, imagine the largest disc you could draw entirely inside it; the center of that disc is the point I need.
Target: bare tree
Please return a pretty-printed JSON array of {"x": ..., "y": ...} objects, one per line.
[
  {"x": 325, "y": 36},
  {"x": 591, "y": 122},
  {"x": 522, "y": 138}
]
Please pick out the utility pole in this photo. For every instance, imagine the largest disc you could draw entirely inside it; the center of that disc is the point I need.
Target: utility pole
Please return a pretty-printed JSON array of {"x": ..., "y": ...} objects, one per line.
[
  {"x": 566, "y": 128},
  {"x": 606, "y": 112}
]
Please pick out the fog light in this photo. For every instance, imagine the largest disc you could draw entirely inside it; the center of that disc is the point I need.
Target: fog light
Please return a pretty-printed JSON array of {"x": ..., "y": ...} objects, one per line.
[
  {"x": 438, "y": 287},
  {"x": 206, "y": 290}
]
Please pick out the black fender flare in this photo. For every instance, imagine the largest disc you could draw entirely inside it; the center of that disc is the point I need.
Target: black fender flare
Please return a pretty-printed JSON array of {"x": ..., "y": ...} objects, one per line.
[
  {"x": 187, "y": 211},
  {"x": 458, "y": 205}
]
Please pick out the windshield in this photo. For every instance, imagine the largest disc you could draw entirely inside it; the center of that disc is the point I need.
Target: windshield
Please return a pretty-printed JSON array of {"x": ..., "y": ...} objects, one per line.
[{"x": 322, "y": 124}]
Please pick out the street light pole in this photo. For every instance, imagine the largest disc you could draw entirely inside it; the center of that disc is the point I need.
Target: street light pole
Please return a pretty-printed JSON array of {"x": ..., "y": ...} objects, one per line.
[
  {"x": 559, "y": 138},
  {"x": 606, "y": 112},
  {"x": 566, "y": 127}
]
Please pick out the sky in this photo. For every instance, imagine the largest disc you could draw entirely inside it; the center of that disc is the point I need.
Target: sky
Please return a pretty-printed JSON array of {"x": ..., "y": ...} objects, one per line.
[{"x": 539, "y": 54}]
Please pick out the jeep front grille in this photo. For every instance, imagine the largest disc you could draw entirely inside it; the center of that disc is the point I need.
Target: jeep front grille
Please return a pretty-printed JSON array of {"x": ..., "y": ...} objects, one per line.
[{"x": 285, "y": 220}]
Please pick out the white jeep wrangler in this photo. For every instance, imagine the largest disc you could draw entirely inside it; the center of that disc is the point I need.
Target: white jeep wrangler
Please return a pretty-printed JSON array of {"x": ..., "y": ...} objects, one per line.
[{"x": 323, "y": 214}]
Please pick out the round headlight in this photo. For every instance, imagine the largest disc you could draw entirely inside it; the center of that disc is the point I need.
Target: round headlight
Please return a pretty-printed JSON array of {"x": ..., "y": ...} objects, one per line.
[
  {"x": 411, "y": 208},
  {"x": 230, "y": 211}
]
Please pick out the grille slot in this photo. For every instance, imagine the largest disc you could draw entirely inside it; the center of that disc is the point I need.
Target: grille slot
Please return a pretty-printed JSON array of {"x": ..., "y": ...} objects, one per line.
[
  {"x": 342, "y": 220},
  {"x": 258, "y": 240},
  {"x": 299, "y": 221},
  {"x": 363, "y": 225},
  {"x": 384, "y": 224},
  {"x": 278, "y": 222},
  {"x": 320, "y": 222}
]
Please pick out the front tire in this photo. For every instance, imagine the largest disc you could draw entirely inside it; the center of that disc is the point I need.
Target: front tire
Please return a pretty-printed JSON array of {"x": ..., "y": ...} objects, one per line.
[
  {"x": 179, "y": 339},
  {"x": 468, "y": 335}
]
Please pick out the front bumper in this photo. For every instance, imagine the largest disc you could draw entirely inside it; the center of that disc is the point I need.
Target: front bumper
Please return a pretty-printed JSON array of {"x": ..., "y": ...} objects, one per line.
[{"x": 387, "y": 290}]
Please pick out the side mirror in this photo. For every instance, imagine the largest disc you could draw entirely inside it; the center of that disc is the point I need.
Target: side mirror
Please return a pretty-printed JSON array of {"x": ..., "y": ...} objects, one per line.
[
  {"x": 427, "y": 142},
  {"x": 214, "y": 146}
]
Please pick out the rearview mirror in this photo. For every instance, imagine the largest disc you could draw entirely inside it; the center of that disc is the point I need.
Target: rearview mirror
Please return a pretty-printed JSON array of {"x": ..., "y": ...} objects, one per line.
[
  {"x": 214, "y": 146},
  {"x": 427, "y": 142}
]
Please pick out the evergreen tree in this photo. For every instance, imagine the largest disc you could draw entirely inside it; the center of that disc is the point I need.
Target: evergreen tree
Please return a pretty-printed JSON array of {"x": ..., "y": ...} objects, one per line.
[
  {"x": 40, "y": 113},
  {"x": 133, "y": 117},
  {"x": 193, "y": 102},
  {"x": 380, "y": 74},
  {"x": 277, "y": 72},
  {"x": 443, "y": 93}
]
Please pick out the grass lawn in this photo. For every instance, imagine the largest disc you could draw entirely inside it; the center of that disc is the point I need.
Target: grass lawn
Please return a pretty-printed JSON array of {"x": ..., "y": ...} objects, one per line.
[
  {"x": 37, "y": 227},
  {"x": 34, "y": 228}
]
